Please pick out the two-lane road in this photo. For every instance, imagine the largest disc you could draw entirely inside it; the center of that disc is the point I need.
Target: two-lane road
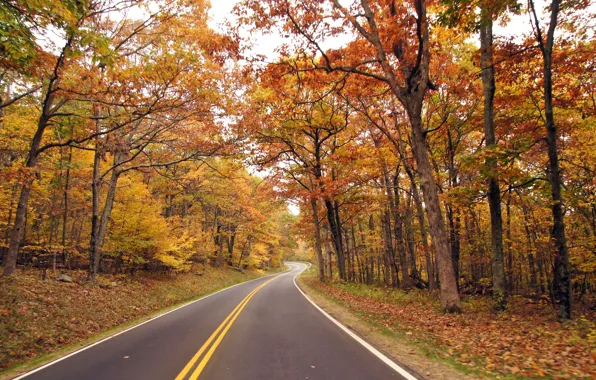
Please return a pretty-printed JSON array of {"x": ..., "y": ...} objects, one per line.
[{"x": 261, "y": 329}]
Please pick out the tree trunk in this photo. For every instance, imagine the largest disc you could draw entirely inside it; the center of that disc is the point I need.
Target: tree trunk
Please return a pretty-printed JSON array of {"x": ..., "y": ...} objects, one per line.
[
  {"x": 92, "y": 274},
  {"x": 430, "y": 268},
  {"x": 561, "y": 280},
  {"x": 387, "y": 257},
  {"x": 10, "y": 212},
  {"x": 406, "y": 282},
  {"x": 336, "y": 237},
  {"x": 231, "y": 243},
  {"x": 48, "y": 109},
  {"x": 510, "y": 276},
  {"x": 65, "y": 213},
  {"x": 410, "y": 242},
  {"x": 531, "y": 237},
  {"x": 106, "y": 214},
  {"x": 450, "y": 301},
  {"x": 10, "y": 261},
  {"x": 494, "y": 195},
  {"x": 318, "y": 244},
  {"x": 452, "y": 214}
]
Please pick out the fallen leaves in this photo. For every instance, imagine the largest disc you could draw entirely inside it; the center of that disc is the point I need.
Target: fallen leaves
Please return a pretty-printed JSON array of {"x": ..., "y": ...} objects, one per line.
[{"x": 519, "y": 342}]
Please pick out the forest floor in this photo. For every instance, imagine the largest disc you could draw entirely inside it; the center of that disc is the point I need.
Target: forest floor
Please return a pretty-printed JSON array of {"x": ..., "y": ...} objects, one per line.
[
  {"x": 524, "y": 342},
  {"x": 44, "y": 319}
]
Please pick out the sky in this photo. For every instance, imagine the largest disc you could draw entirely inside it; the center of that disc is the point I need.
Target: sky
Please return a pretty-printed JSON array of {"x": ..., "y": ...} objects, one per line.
[{"x": 221, "y": 10}]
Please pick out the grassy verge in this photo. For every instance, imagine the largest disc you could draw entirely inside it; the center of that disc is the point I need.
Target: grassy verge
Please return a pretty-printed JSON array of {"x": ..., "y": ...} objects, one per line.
[
  {"x": 43, "y": 320},
  {"x": 522, "y": 343}
]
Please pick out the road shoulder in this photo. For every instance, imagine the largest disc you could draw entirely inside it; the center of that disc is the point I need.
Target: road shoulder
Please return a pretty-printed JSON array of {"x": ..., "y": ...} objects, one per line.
[
  {"x": 63, "y": 351},
  {"x": 384, "y": 340}
]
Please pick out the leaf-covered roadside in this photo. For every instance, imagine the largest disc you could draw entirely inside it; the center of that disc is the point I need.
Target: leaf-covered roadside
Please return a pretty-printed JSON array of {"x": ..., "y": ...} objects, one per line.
[
  {"x": 527, "y": 343},
  {"x": 38, "y": 317}
]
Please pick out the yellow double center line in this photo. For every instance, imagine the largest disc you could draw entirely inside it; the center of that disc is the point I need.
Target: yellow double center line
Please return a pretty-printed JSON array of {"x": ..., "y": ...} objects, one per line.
[{"x": 225, "y": 326}]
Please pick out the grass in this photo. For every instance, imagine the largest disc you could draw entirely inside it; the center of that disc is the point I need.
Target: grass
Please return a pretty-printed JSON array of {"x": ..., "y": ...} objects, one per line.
[{"x": 43, "y": 320}]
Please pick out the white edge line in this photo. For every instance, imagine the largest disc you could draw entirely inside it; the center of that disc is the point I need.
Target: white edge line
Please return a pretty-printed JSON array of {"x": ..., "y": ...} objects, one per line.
[
  {"x": 135, "y": 326},
  {"x": 364, "y": 343}
]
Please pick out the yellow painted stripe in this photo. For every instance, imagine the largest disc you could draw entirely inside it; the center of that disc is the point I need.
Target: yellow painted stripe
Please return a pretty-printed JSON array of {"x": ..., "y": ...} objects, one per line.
[
  {"x": 233, "y": 315},
  {"x": 205, "y": 360},
  {"x": 196, "y": 357}
]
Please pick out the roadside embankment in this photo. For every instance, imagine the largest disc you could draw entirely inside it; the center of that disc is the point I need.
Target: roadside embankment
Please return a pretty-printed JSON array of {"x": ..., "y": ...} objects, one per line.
[
  {"x": 523, "y": 342},
  {"x": 42, "y": 319}
]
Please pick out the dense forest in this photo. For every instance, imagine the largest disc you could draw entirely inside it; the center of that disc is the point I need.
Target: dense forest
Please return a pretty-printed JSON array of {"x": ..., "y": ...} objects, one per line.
[
  {"x": 431, "y": 154},
  {"x": 113, "y": 149},
  {"x": 422, "y": 149}
]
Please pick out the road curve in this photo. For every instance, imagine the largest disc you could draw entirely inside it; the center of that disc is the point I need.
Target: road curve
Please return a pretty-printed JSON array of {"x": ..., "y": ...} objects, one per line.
[{"x": 261, "y": 329}]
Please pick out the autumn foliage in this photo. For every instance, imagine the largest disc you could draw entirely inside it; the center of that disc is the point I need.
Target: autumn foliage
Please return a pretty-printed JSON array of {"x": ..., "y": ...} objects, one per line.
[
  {"x": 428, "y": 144},
  {"x": 422, "y": 158},
  {"x": 115, "y": 154}
]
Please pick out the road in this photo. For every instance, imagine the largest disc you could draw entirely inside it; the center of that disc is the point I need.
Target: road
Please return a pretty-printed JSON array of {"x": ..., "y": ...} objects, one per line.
[{"x": 261, "y": 329}]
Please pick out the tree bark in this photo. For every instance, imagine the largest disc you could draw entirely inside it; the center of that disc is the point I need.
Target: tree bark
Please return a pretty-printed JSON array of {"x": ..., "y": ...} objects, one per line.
[
  {"x": 336, "y": 237},
  {"x": 494, "y": 195},
  {"x": 406, "y": 282},
  {"x": 48, "y": 109},
  {"x": 509, "y": 250},
  {"x": 92, "y": 273},
  {"x": 410, "y": 243},
  {"x": 561, "y": 280},
  {"x": 105, "y": 215},
  {"x": 450, "y": 300},
  {"x": 452, "y": 214},
  {"x": 430, "y": 268},
  {"x": 65, "y": 213},
  {"x": 318, "y": 244}
]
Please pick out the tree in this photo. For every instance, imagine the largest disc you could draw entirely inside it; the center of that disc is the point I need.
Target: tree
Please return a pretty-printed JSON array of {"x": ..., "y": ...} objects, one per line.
[
  {"x": 301, "y": 131},
  {"x": 391, "y": 46},
  {"x": 562, "y": 282}
]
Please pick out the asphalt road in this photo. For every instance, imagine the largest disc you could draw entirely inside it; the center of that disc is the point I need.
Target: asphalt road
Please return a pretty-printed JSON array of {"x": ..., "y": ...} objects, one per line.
[{"x": 262, "y": 329}]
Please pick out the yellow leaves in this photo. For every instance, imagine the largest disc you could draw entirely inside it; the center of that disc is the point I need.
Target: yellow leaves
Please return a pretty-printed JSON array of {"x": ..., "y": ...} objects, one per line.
[{"x": 138, "y": 231}]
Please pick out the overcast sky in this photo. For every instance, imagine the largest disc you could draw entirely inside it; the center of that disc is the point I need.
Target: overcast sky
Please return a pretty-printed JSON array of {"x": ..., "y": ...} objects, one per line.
[{"x": 221, "y": 10}]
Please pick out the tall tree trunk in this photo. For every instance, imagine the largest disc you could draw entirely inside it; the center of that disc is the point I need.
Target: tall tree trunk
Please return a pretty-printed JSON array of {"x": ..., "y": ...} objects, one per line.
[
  {"x": 406, "y": 282},
  {"x": 91, "y": 277},
  {"x": 329, "y": 258},
  {"x": 392, "y": 206},
  {"x": 454, "y": 240},
  {"x": 106, "y": 214},
  {"x": 561, "y": 281},
  {"x": 388, "y": 256},
  {"x": 532, "y": 248},
  {"x": 48, "y": 109},
  {"x": 10, "y": 261},
  {"x": 65, "y": 199},
  {"x": 95, "y": 187},
  {"x": 410, "y": 241},
  {"x": 510, "y": 276},
  {"x": 452, "y": 214},
  {"x": 231, "y": 243},
  {"x": 470, "y": 241},
  {"x": 430, "y": 268},
  {"x": 318, "y": 244},
  {"x": 450, "y": 300},
  {"x": 494, "y": 195},
  {"x": 337, "y": 238},
  {"x": 355, "y": 257}
]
